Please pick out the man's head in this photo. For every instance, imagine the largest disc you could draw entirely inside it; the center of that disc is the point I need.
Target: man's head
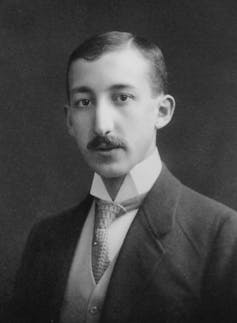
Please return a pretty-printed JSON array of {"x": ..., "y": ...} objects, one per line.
[{"x": 117, "y": 92}]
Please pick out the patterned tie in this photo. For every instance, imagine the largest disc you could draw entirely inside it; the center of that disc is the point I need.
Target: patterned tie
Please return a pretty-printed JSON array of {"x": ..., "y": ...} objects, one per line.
[{"x": 105, "y": 213}]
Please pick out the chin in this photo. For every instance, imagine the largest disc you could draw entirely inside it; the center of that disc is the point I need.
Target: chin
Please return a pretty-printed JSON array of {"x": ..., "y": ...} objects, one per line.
[{"x": 111, "y": 171}]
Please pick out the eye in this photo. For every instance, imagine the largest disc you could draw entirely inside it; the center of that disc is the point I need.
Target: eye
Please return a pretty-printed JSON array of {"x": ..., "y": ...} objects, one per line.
[
  {"x": 122, "y": 98},
  {"x": 82, "y": 103}
]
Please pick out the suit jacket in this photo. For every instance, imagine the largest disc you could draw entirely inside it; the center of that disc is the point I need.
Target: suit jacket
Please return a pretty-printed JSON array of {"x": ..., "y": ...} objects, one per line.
[{"x": 178, "y": 262}]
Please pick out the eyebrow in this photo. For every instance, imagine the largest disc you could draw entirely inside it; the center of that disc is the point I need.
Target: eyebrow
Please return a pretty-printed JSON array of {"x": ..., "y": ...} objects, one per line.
[
  {"x": 81, "y": 89},
  {"x": 115, "y": 87},
  {"x": 122, "y": 87}
]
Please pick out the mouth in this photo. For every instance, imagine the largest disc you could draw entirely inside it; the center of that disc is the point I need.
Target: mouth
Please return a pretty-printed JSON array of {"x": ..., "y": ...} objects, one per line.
[
  {"x": 106, "y": 147},
  {"x": 106, "y": 150}
]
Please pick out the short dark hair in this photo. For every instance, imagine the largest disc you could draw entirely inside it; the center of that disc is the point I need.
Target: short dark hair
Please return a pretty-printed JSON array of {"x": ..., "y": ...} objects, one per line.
[{"x": 94, "y": 47}]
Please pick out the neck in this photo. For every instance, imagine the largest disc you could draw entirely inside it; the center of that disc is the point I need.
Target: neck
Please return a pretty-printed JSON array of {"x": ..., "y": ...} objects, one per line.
[{"x": 113, "y": 185}]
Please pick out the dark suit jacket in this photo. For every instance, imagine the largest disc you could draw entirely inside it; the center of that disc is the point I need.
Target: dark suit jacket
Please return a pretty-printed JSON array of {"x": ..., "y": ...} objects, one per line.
[{"x": 178, "y": 262}]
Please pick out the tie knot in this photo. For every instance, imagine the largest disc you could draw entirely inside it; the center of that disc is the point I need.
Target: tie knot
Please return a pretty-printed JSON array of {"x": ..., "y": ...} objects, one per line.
[{"x": 106, "y": 212}]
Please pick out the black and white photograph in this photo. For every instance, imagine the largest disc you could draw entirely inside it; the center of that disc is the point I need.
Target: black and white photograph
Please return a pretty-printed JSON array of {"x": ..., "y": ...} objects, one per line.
[{"x": 118, "y": 154}]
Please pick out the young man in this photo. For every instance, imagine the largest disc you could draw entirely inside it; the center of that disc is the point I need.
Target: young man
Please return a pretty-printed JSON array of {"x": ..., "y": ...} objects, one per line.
[{"x": 142, "y": 247}]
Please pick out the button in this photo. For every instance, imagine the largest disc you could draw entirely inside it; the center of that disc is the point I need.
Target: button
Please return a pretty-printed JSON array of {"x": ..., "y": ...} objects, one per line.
[
  {"x": 94, "y": 310},
  {"x": 95, "y": 243}
]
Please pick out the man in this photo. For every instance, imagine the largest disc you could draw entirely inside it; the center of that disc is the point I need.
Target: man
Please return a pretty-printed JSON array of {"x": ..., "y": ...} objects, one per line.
[{"x": 169, "y": 254}]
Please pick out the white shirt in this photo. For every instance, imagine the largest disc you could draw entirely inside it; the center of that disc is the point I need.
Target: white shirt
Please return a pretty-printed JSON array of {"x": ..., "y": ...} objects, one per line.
[{"x": 138, "y": 181}]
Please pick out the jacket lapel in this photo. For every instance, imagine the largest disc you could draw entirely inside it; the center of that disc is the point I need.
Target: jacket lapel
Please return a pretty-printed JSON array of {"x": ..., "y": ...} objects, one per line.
[
  {"x": 67, "y": 237},
  {"x": 142, "y": 251}
]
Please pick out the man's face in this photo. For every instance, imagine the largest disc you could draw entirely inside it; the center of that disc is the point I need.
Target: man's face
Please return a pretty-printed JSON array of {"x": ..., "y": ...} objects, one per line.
[{"x": 113, "y": 112}]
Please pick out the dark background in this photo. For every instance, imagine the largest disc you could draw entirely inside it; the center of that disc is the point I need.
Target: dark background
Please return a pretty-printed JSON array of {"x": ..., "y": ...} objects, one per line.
[{"x": 41, "y": 171}]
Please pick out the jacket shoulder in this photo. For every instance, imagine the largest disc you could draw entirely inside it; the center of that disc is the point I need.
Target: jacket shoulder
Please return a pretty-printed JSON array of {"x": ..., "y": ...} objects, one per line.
[{"x": 204, "y": 208}]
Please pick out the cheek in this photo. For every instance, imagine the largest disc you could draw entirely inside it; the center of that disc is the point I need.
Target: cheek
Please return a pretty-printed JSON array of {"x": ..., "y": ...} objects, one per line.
[
  {"x": 141, "y": 130},
  {"x": 141, "y": 122},
  {"x": 81, "y": 127}
]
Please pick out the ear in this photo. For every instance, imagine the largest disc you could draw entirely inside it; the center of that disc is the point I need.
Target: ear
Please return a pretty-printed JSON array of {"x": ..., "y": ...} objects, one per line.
[
  {"x": 68, "y": 117},
  {"x": 165, "y": 110}
]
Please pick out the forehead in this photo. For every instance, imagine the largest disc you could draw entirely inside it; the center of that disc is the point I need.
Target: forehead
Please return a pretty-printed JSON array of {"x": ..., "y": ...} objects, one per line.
[{"x": 124, "y": 66}]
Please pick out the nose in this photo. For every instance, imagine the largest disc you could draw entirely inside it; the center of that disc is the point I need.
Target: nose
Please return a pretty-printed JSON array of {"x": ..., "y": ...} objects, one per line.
[{"x": 103, "y": 119}]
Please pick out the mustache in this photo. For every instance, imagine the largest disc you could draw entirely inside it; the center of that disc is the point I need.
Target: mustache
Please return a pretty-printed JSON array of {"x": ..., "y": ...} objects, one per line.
[{"x": 106, "y": 142}]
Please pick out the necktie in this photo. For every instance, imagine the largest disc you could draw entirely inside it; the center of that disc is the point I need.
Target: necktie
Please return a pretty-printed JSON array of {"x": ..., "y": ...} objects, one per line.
[{"x": 105, "y": 213}]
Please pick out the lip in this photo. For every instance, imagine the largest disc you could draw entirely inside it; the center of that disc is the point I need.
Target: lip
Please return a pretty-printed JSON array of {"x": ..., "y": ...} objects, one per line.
[
  {"x": 104, "y": 146},
  {"x": 106, "y": 150}
]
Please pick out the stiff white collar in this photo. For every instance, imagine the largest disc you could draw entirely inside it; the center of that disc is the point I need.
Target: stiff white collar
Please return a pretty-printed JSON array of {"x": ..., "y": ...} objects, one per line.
[{"x": 138, "y": 181}]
